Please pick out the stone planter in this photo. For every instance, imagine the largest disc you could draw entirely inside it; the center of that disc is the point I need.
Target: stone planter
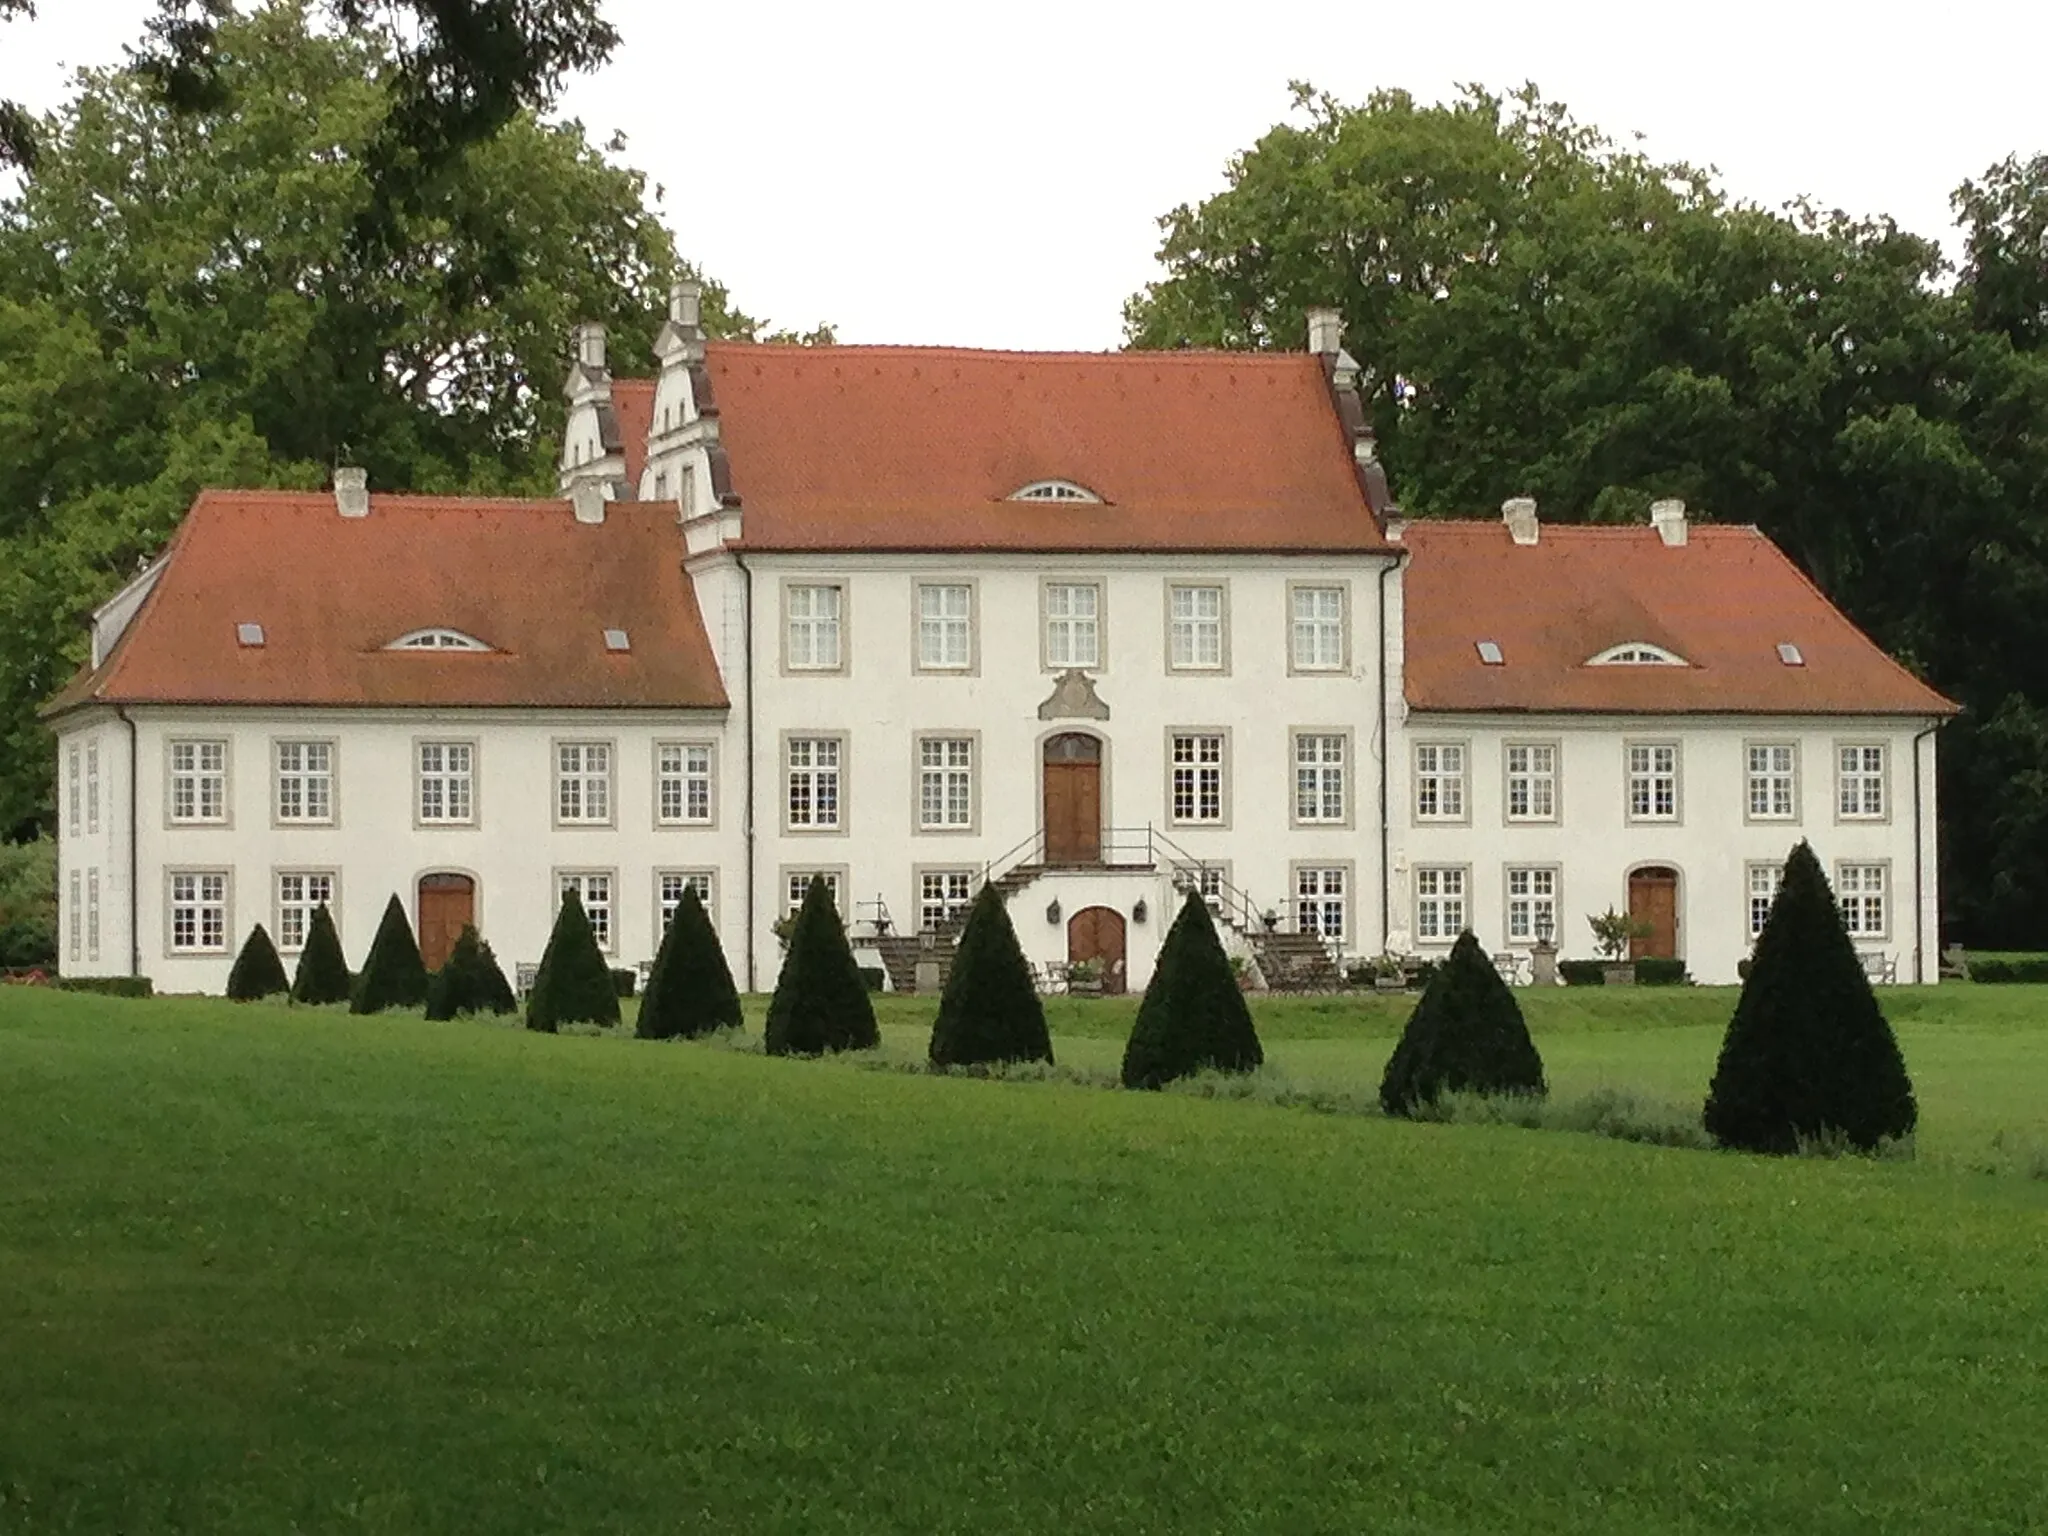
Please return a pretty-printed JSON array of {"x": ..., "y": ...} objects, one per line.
[{"x": 1619, "y": 974}]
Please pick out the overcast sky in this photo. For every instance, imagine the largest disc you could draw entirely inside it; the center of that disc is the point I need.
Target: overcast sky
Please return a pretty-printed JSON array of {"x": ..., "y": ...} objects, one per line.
[{"x": 991, "y": 176}]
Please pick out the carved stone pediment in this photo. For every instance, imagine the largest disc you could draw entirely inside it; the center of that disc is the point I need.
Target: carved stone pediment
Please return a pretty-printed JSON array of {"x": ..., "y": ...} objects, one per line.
[{"x": 1073, "y": 698}]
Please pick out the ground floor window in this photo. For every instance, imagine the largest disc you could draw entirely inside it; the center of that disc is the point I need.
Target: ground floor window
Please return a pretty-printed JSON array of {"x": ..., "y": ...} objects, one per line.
[
  {"x": 199, "y": 912},
  {"x": 1532, "y": 904},
  {"x": 1439, "y": 903},
  {"x": 1321, "y": 894},
  {"x": 800, "y": 881},
  {"x": 76, "y": 926},
  {"x": 943, "y": 897},
  {"x": 1764, "y": 880},
  {"x": 594, "y": 889},
  {"x": 1860, "y": 893},
  {"x": 299, "y": 893},
  {"x": 669, "y": 887},
  {"x": 92, "y": 914}
]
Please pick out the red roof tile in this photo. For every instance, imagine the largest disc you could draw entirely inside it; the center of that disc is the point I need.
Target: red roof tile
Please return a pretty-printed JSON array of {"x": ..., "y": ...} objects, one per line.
[
  {"x": 1723, "y": 601},
  {"x": 331, "y": 592},
  {"x": 633, "y": 410},
  {"x": 855, "y": 448}
]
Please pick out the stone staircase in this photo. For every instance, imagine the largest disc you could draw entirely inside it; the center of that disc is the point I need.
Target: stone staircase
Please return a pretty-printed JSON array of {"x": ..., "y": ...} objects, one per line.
[
  {"x": 900, "y": 953},
  {"x": 1295, "y": 962}
]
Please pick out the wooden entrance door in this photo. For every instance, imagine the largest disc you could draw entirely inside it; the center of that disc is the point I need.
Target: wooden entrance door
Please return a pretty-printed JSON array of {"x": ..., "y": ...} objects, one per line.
[
  {"x": 1097, "y": 933},
  {"x": 447, "y": 903},
  {"x": 1653, "y": 899},
  {"x": 1073, "y": 799}
]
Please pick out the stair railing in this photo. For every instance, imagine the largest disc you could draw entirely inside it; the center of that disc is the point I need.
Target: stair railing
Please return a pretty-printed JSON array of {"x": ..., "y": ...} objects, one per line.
[
  {"x": 1027, "y": 851},
  {"x": 1227, "y": 901}
]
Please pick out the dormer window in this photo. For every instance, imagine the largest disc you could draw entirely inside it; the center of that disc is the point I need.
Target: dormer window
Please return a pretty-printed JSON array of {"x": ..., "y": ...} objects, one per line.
[
  {"x": 1636, "y": 653},
  {"x": 437, "y": 640},
  {"x": 1054, "y": 490}
]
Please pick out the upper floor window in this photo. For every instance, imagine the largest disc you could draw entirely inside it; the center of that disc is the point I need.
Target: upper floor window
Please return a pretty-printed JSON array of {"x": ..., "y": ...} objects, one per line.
[
  {"x": 1054, "y": 490},
  {"x": 1319, "y": 777},
  {"x": 1772, "y": 770},
  {"x": 1195, "y": 629},
  {"x": 305, "y": 781},
  {"x": 682, "y": 779},
  {"x": 945, "y": 635},
  {"x": 1440, "y": 781},
  {"x": 92, "y": 786},
  {"x": 1860, "y": 781},
  {"x": 199, "y": 781},
  {"x": 1073, "y": 624},
  {"x": 583, "y": 781},
  {"x": 437, "y": 640},
  {"x": 1636, "y": 653},
  {"x": 815, "y": 616},
  {"x": 1318, "y": 629},
  {"x": 1532, "y": 781},
  {"x": 1653, "y": 781},
  {"x": 73, "y": 795},
  {"x": 447, "y": 783}
]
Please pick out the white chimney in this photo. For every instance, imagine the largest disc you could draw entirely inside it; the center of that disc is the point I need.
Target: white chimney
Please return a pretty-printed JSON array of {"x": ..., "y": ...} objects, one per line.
[
  {"x": 1668, "y": 518},
  {"x": 1519, "y": 513},
  {"x": 587, "y": 498},
  {"x": 686, "y": 304},
  {"x": 1325, "y": 332},
  {"x": 351, "y": 491},
  {"x": 588, "y": 339}
]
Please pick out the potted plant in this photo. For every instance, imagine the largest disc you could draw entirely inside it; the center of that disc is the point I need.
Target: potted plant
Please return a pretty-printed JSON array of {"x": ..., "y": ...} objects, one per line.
[
  {"x": 1612, "y": 932},
  {"x": 1084, "y": 978},
  {"x": 1270, "y": 918}
]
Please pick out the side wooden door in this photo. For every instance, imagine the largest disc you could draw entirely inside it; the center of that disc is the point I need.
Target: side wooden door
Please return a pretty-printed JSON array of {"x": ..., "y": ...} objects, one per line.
[
  {"x": 1653, "y": 899},
  {"x": 1097, "y": 933},
  {"x": 447, "y": 903}
]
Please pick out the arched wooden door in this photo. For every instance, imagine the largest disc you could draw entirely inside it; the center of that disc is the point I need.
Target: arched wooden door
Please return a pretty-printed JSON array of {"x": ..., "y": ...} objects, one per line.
[
  {"x": 1073, "y": 799},
  {"x": 447, "y": 902},
  {"x": 1653, "y": 899},
  {"x": 1097, "y": 933}
]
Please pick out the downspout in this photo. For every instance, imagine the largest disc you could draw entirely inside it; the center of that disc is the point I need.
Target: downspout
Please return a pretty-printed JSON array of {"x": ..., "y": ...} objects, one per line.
[
  {"x": 1386, "y": 750},
  {"x": 747, "y": 645},
  {"x": 1919, "y": 915},
  {"x": 134, "y": 882}
]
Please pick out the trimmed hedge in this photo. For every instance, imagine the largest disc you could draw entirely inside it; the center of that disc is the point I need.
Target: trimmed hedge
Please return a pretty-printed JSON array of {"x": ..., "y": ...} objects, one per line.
[
  {"x": 574, "y": 986},
  {"x": 820, "y": 1002},
  {"x": 1583, "y": 973},
  {"x": 1194, "y": 1016},
  {"x": 257, "y": 972},
  {"x": 1466, "y": 1035},
  {"x": 393, "y": 976},
  {"x": 322, "y": 976},
  {"x": 689, "y": 990},
  {"x": 1650, "y": 972},
  {"x": 2008, "y": 971},
  {"x": 990, "y": 1012},
  {"x": 471, "y": 981},
  {"x": 107, "y": 986}
]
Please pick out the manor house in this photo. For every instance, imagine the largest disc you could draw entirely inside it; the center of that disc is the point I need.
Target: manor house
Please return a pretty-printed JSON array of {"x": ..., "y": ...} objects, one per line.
[{"x": 1098, "y": 628}]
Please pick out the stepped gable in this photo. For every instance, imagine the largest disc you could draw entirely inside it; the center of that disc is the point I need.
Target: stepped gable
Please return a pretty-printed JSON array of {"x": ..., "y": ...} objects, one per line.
[
  {"x": 914, "y": 448},
  {"x": 331, "y": 592},
  {"x": 1724, "y": 600}
]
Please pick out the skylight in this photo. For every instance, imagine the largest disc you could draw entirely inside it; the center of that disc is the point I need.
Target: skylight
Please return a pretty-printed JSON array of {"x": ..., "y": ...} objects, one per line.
[
  {"x": 1489, "y": 652},
  {"x": 1789, "y": 654},
  {"x": 1636, "y": 653},
  {"x": 1054, "y": 490},
  {"x": 437, "y": 640},
  {"x": 249, "y": 634},
  {"x": 616, "y": 640}
]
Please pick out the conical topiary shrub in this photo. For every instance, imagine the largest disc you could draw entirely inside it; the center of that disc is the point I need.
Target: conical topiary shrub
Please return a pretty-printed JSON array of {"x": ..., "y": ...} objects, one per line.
[
  {"x": 1808, "y": 1053},
  {"x": 820, "y": 1002},
  {"x": 470, "y": 982},
  {"x": 1466, "y": 1035},
  {"x": 1194, "y": 1015},
  {"x": 574, "y": 985},
  {"x": 393, "y": 976},
  {"x": 257, "y": 970},
  {"x": 990, "y": 1011},
  {"x": 322, "y": 976},
  {"x": 689, "y": 991}
]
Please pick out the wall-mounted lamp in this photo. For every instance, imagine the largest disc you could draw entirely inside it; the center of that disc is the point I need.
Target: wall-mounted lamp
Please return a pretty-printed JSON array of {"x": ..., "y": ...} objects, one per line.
[
  {"x": 1138, "y": 910},
  {"x": 1052, "y": 911}
]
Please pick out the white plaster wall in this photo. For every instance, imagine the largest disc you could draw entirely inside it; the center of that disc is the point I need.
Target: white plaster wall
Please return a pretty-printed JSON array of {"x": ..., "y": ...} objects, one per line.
[
  {"x": 512, "y": 852},
  {"x": 1711, "y": 844}
]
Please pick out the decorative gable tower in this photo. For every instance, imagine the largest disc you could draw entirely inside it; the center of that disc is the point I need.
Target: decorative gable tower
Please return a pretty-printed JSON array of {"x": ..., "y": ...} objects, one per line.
[{"x": 595, "y": 446}]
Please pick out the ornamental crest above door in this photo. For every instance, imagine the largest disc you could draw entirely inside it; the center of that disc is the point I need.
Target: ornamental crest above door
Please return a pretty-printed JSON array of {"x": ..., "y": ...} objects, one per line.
[{"x": 1073, "y": 697}]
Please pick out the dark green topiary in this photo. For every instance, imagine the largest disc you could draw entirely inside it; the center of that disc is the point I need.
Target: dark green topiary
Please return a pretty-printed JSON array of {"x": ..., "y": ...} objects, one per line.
[
  {"x": 574, "y": 985},
  {"x": 990, "y": 1011},
  {"x": 689, "y": 990},
  {"x": 1194, "y": 1015},
  {"x": 1808, "y": 1053},
  {"x": 470, "y": 982},
  {"x": 257, "y": 971},
  {"x": 393, "y": 976},
  {"x": 1466, "y": 1035},
  {"x": 322, "y": 976},
  {"x": 820, "y": 1002}
]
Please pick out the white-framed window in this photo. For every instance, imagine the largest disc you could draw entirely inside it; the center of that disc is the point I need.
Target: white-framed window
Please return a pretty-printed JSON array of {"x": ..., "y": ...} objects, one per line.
[
  {"x": 300, "y": 893},
  {"x": 1073, "y": 624},
  {"x": 199, "y": 912},
  {"x": 583, "y": 781},
  {"x": 1322, "y": 900},
  {"x": 1860, "y": 781},
  {"x": 1439, "y": 781},
  {"x": 1208, "y": 881},
  {"x": 92, "y": 914},
  {"x": 943, "y": 897},
  {"x": 945, "y": 783},
  {"x": 594, "y": 888},
  {"x": 199, "y": 781},
  {"x": 799, "y": 882},
  {"x": 1531, "y": 781},
  {"x": 1636, "y": 653},
  {"x": 1196, "y": 787},
  {"x": 945, "y": 627},
  {"x": 1440, "y": 912},
  {"x": 305, "y": 781},
  {"x": 92, "y": 786},
  {"x": 436, "y": 640},
  {"x": 76, "y": 926},
  {"x": 447, "y": 783},
  {"x": 1195, "y": 630},
  {"x": 1772, "y": 777},
  {"x": 669, "y": 885},
  {"x": 73, "y": 785},
  {"x": 1653, "y": 781},
  {"x": 815, "y": 614},
  {"x": 1860, "y": 892},
  {"x": 814, "y": 765},
  {"x": 1319, "y": 775},
  {"x": 1532, "y": 902},
  {"x": 1764, "y": 880},
  {"x": 1318, "y": 642},
  {"x": 682, "y": 783}
]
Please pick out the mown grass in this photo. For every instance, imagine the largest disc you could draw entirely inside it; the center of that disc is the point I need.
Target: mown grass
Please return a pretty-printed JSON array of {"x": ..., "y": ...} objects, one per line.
[{"x": 269, "y": 1270}]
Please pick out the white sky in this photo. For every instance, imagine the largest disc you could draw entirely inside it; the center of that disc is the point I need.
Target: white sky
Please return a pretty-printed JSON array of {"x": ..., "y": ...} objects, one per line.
[{"x": 983, "y": 176}]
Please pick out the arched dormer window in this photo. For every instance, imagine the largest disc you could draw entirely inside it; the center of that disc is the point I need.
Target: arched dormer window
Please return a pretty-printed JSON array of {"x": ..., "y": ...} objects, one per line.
[
  {"x": 437, "y": 640},
  {"x": 1054, "y": 490},
  {"x": 1636, "y": 653}
]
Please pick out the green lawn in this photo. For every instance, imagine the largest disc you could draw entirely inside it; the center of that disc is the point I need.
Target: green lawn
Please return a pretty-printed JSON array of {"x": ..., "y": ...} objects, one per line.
[{"x": 264, "y": 1270}]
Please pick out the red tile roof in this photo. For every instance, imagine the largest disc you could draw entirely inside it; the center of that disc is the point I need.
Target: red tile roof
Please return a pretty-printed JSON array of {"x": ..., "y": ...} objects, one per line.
[
  {"x": 1723, "y": 601},
  {"x": 331, "y": 592},
  {"x": 633, "y": 410},
  {"x": 868, "y": 448}
]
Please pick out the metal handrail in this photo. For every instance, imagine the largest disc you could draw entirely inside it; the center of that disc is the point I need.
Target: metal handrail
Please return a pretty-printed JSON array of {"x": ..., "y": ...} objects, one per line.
[{"x": 1237, "y": 906}]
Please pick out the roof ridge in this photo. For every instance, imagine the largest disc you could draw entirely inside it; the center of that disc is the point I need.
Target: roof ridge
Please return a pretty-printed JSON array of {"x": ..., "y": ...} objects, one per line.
[{"x": 1005, "y": 354}]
